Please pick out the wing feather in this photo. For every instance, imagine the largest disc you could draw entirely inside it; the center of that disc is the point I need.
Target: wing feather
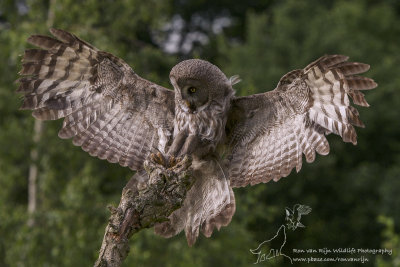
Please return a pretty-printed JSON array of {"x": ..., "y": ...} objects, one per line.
[
  {"x": 269, "y": 132},
  {"x": 108, "y": 109}
]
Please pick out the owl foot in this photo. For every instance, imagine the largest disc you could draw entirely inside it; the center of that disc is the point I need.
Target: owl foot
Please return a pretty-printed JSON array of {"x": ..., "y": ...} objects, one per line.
[
  {"x": 173, "y": 161},
  {"x": 158, "y": 158}
]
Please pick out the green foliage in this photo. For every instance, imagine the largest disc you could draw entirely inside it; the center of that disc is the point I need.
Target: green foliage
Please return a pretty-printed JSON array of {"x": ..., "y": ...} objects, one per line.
[
  {"x": 391, "y": 242},
  {"x": 347, "y": 190}
]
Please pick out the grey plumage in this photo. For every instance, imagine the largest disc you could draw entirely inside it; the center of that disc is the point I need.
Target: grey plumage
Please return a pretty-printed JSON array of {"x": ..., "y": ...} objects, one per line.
[
  {"x": 103, "y": 101},
  {"x": 114, "y": 114},
  {"x": 270, "y": 131}
]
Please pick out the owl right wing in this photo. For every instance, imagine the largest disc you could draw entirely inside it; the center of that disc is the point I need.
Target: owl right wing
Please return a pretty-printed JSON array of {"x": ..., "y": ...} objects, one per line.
[
  {"x": 109, "y": 110},
  {"x": 268, "y": 133},
  {"x": 303, "y": 210}
]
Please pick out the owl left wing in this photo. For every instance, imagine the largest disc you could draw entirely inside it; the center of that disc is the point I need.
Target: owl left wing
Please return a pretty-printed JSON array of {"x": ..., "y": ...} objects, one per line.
[
  {"x": 110, "y": 111},
  {"x": 268, "y": 133}
]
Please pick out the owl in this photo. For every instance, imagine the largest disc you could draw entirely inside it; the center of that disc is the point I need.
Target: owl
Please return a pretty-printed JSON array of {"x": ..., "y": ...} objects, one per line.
[
  {"x": 293, "y": 216},
  {"x": 114, "y": 114}
]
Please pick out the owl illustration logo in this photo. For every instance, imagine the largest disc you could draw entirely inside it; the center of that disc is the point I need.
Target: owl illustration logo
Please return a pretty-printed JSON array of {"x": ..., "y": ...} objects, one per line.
[
  {"x": 272, "y": 248},
  {"x": 293, "y": 216}
]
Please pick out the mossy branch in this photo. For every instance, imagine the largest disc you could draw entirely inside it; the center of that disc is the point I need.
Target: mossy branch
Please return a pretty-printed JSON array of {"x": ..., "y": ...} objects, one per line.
[{"x": 142, "y": 205}]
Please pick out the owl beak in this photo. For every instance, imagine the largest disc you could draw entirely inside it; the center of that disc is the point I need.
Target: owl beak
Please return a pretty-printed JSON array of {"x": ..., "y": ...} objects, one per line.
[{"x": 191, "y": 107}]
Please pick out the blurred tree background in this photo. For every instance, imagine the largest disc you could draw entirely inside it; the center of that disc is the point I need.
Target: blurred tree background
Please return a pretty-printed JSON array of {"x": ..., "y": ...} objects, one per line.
[{"x": 354, "y": 192}]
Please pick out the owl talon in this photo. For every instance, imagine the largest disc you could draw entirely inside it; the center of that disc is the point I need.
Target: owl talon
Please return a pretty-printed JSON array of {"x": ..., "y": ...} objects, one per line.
[
  {"x": 158, "y": 158},
  {"x": 173, "y": 161}
]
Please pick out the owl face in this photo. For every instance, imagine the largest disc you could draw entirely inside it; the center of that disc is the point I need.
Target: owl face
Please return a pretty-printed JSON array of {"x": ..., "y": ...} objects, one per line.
[
  {"x": 194, "y": 95},
  {"x": 197, "y": 83}
]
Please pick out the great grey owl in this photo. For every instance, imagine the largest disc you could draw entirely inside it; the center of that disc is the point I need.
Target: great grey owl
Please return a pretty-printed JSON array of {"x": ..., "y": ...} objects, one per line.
[{"x": 114, "y": 114}]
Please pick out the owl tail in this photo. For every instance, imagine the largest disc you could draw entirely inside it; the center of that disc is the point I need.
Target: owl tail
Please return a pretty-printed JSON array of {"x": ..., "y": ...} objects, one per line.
[{"x": 209, "y": 204}]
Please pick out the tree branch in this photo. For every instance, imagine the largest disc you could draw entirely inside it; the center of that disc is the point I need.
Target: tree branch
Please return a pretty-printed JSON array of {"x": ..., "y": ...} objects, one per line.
[{"x": 142, "y": 205}]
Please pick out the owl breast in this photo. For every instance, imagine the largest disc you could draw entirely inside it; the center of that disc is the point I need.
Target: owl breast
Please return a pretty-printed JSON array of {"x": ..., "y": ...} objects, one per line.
[{"x": 208, "y": 124}]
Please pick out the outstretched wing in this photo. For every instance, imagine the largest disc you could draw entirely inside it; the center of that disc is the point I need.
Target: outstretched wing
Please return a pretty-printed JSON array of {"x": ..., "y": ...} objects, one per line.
[
  {"x": 109, "y": 111},
  {"x": 303, "y": 210},
  {"x": 269, "y": 132}
]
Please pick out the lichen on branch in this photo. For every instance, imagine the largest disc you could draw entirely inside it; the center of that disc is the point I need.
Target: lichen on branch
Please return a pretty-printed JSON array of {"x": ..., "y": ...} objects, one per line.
[{"x": 142, "y": 205}]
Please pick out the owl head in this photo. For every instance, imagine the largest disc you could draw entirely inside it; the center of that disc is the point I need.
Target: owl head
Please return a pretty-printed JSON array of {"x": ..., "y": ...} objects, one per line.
[{"x": 197, "y": 83}]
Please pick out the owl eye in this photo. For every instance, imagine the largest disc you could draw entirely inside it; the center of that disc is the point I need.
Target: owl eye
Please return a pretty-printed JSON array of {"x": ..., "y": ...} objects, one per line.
[{"x": 192, "y": 90}]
